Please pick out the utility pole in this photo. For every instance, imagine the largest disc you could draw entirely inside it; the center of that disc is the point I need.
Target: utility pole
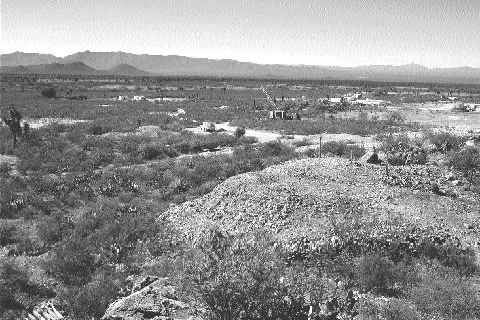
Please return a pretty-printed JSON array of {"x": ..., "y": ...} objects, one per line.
[{"x": 320, "y": 147}]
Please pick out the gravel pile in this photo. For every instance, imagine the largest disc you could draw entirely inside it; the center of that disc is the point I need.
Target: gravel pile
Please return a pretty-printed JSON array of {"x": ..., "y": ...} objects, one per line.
[{"x": 300, "y": 198}]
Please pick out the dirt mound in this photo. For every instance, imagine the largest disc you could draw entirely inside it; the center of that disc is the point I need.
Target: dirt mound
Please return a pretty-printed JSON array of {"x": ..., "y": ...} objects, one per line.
[{"x": 297, "y": 199}]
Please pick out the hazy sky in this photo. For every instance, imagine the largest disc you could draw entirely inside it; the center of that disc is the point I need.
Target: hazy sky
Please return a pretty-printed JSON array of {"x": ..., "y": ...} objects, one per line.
[{"x": 435, "y": 33}]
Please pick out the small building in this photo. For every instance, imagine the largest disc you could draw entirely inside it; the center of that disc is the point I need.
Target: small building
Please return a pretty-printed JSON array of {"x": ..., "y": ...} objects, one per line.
[
  {"x": 278, "y": 114},
  {"x": 208, "y": 126}
]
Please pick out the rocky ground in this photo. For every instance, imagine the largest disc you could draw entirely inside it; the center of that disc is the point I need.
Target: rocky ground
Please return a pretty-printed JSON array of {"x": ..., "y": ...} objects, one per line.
[
  {"x": 295, "y": 199},
  {"x": 151, "y": 298}
]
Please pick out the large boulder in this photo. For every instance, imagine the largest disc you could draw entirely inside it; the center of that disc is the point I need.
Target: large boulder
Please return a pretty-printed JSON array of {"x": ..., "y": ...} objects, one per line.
[{"x": 156, "y": 301}]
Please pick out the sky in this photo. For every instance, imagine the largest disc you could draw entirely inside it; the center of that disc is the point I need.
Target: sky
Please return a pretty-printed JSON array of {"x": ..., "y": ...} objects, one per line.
[{"x": 434, "y": 33}]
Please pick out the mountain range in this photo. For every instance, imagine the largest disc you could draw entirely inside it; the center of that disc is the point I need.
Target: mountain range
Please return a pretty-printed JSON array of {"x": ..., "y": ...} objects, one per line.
[{"x": 128, "y": 64}]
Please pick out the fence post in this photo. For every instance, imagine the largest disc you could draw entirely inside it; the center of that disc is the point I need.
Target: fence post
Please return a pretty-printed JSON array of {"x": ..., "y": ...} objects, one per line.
[{"x": 320, "y": 147}]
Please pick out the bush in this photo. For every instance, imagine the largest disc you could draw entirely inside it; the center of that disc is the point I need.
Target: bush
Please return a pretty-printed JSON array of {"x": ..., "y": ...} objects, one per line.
[
  {"x": 399, "y": 148},
  {"x": 17, "y": 291},
  {"x": 49, "y": 92},
  {"x": 72, "y": 262},
  {"x": 97, "y": 130},
  {"x": 395, "y": 118},
  {"x": 153, "y": 151},
  {"x": 92, "y": 300},
  {"x": 239, "y": 132},
  {"x": 50, "y": 229},
  {"x": 102, "y": 157},
  {"x": 377, "y": 273},
  {"x": 444, "y": 293},
  {"x": 247, "y": 140},
  {"x": 274, "y": 149},
  {"x": 76, "y": 135},
  {"x": 311, "y": 153},
  {"x": 7, "y": 233},
  {"x": 360, "y": 126},
  {"x": 342, "y": 149},
  {"x": 302, "y": 143},
  {"x": 253, "y": 283},
  {"x": 395, "y": 143},
  {"x": 394, "y": 309},
  {"x": 5, "y": 168},
  {"x": 446, "y": 141},
  {"x": 467, "y": 161}
]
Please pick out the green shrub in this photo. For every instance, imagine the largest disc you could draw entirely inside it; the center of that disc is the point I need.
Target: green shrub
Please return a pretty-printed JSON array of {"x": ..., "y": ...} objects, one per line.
[
  {"x": 151, "y": 152},
  {"x": 91, "y": 300},
  {"x": 247, "y": 140},
  {"x": 275, "y": 149},
  {"x": 395, "y": 118},
  {"x": 239, "y": 132},
  {"x": 395, "y": 143},
  {"x": 7, "y": 232},
  {"x": 253, "y": 283},
  {"x": 376, "y": 273},
  {"x": 17, "y": 291},
  {"x": 446, "y": 141},
  {"x": 71, "y": 262},
  {"x": 446, "y": 294},
  {"x": 76, "y": 135},
  {"x": 302, "y": 143},
  {"x": 5, "y": 168},
  {"x": 50, "y": 229},
  {"x": 311, "y": 153},
  {"x": 49, "y": 92},
  {"x": 97, "y": 130},
  {"x": 102, "y": 157},
  {"x": 24, "y": 244},
  {"x": 360, "y": 126},
  {"x": 467, "y": 161},
  {"x": 342, "y": 149},
  {"x": 393, "y": 309}
]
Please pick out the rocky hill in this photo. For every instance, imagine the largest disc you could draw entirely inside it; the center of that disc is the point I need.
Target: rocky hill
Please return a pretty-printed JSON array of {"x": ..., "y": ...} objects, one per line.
[
  {"x": 126, "y": 70},
  {"x": 298, "y": 199}
]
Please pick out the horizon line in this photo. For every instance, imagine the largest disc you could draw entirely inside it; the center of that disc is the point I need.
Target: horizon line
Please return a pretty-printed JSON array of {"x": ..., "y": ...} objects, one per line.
[{"x": 259, "y": 63}]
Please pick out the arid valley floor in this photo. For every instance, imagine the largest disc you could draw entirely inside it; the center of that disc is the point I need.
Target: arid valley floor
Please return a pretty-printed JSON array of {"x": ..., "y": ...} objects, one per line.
[{"x": 198, "y": 198}]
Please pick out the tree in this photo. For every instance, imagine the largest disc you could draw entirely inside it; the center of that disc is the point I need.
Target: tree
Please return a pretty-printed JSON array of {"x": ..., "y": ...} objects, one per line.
[
  {"x": 239, "y": 132},
  {"x": 49, "y": 92},
  {"x": 14, "y": 124},
  {"x": 467, "y": 161}
]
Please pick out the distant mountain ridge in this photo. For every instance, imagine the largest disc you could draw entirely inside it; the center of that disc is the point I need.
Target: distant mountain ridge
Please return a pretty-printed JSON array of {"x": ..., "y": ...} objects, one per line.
[
  {"x": 121, "y": 63},
  {"x": 126, "y": 70},
  {"x": 73, "y": 68}
]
